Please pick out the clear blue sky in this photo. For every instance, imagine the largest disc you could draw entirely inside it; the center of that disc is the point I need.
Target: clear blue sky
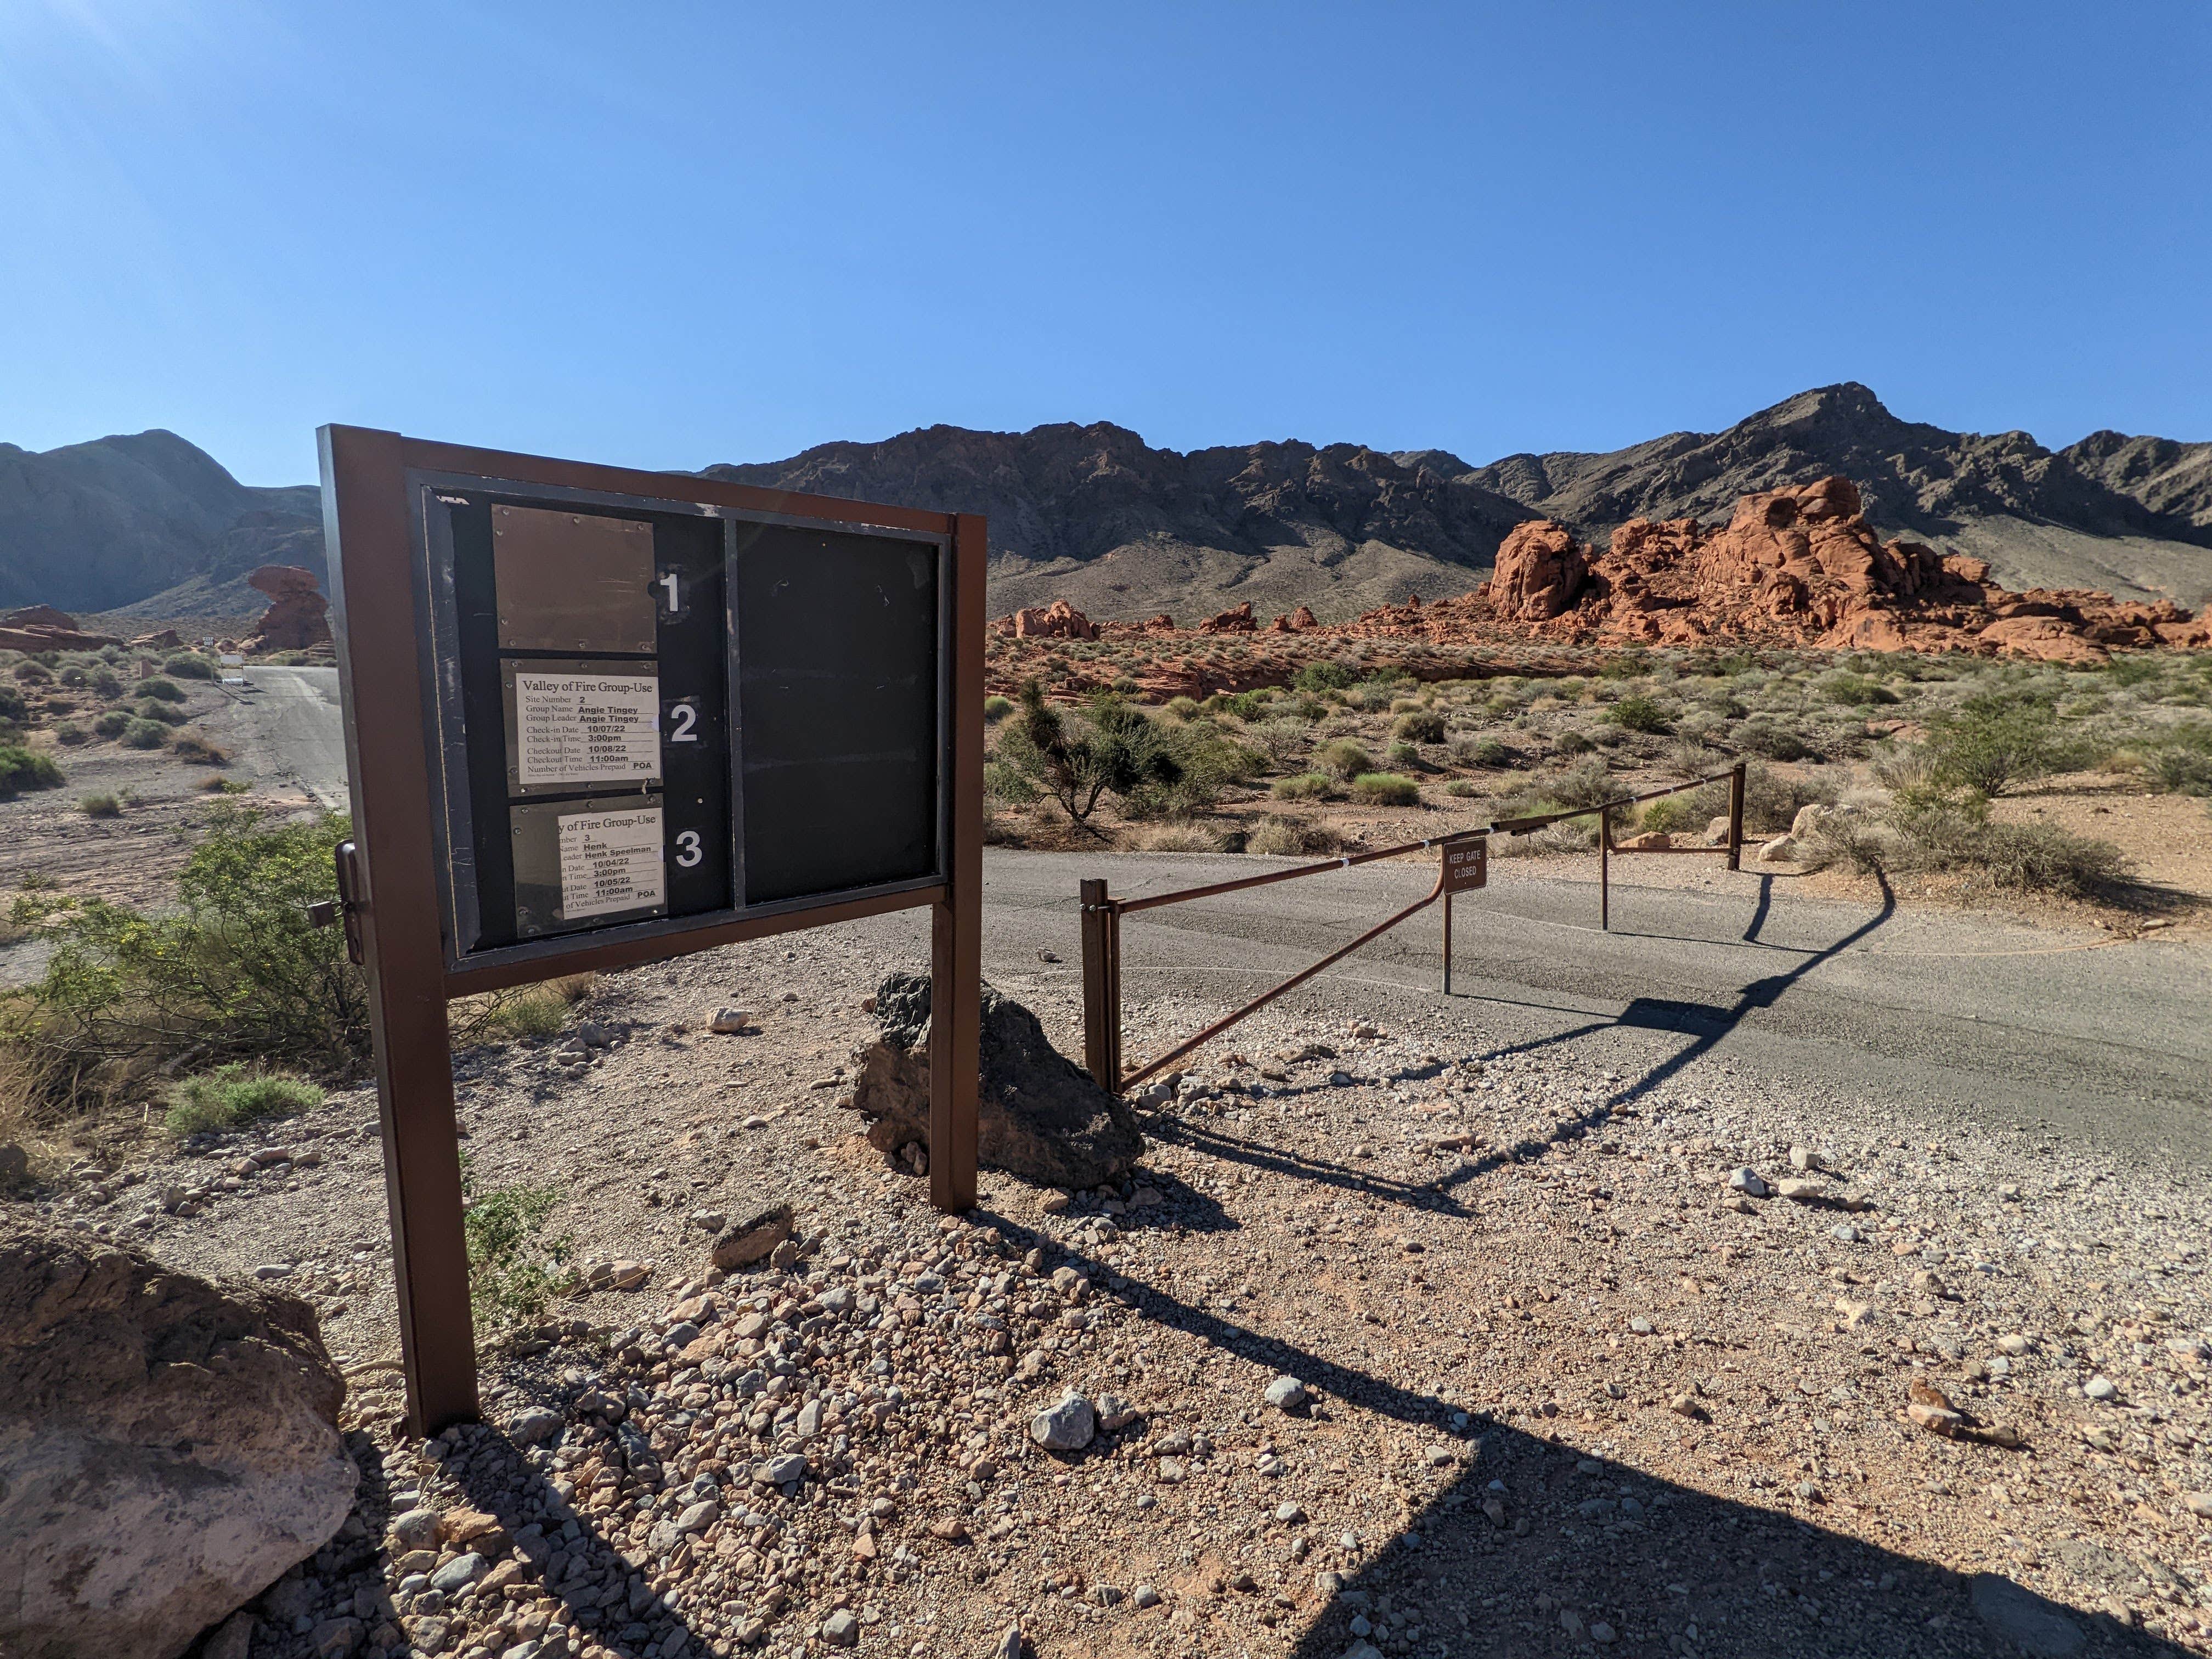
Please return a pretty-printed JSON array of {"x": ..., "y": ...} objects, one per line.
[{"x": 667, "y": 235}]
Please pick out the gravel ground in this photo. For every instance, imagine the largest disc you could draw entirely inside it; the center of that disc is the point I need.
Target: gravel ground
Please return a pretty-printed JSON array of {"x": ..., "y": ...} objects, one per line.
[{"x": 1565, "y": 1389}]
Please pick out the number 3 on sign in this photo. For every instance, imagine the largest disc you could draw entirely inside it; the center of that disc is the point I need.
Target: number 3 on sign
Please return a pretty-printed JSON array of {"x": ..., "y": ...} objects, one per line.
[
  {"x": 688, "y": 851},
  {"x": 681, "y": 718}
]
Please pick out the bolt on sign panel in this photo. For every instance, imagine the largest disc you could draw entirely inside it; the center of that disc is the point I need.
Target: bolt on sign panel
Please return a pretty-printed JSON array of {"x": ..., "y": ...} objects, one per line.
[{"x": 656, "y": 713}]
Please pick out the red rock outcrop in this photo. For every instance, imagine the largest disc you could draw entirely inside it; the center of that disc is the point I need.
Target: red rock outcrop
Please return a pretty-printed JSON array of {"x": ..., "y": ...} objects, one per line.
[
  {"x": 1541, "y": 570},
  {"x": 1058, "y": 621},
  {"x": 42, "y": 628},
  {"x": 1237, "y": 620},
  {"x": 297, "y": 617}
]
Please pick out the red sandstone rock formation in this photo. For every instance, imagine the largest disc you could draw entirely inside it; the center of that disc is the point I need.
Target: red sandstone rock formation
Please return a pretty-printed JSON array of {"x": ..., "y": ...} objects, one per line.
[
  {"x": 1058, "y": 621},
  {"x": 1541, "y": 570},
  {"x": 42, "y": 628},
  {"x": 1235, "y": 621},
  {"x": 297, "y": 618}
]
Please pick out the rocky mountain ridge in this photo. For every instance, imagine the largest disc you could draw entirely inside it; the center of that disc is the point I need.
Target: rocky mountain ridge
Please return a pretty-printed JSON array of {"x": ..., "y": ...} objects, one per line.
[{"x": 148, "y": 523}]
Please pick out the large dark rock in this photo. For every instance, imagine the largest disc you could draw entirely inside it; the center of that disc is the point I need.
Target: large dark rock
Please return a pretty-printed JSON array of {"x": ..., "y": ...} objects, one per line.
[
  {"x": 1039, "y": 1114},
  {"x": 168, "y": 1446}
]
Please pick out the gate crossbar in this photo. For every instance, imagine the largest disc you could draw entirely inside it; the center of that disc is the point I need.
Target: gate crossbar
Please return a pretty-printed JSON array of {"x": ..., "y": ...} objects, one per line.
[{"x": 1102, "y": 919}]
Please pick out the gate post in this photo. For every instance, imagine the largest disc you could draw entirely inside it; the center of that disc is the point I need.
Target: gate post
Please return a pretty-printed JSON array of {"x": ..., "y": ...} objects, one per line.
[
  {"x": 1098, "y": 1056},
  {"x": 1605, "y": 871},
  {"x": 1736, "y": 817}
]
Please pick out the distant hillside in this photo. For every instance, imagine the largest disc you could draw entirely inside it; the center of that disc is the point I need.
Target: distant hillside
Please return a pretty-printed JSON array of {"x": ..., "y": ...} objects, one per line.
[
  {"x": 2133, "y": 516},
  {"x": 1092, "y": 513},
  {"x": 121, "y": 522},
  {"x": 151, "y": 526}
]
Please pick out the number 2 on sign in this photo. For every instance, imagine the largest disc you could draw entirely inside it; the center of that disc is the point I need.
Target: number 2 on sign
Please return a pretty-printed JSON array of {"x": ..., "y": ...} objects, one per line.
[{"x": 684, "y": 717}]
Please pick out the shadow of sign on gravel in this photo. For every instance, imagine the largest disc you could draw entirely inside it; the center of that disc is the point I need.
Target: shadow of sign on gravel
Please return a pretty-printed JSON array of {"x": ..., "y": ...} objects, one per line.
[{"x": 1536, "y": 1547}]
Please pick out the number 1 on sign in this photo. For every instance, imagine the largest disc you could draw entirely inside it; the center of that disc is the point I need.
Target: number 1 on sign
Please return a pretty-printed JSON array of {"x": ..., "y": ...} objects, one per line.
[{"x": 668, "y": 582}]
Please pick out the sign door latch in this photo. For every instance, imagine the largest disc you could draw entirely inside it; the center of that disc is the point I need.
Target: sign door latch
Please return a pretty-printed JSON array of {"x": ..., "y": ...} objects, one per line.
[{"x": 351, "y": 904}]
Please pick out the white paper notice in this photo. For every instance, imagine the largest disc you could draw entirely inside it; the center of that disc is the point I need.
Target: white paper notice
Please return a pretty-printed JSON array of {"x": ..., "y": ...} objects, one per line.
[
  {"x": 610, "y": 861},
  {"x": 586, "y": 728}
]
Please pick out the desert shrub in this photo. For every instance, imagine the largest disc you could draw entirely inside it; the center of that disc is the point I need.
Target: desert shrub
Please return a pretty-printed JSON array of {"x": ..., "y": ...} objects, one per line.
[
  {"x": 32, "y": 673},
  {"x": 1181, "y": 708},
  {"x": 1772, "y": 799},
  {"x": 100, "y": 806},
  {"x": 235, "y": 1095},
  {"x": 224, "y": 786},
  {"x": 1386, "y": 789},
  {"x": 1902, "y": 765},
  {"x": 1345, "y": 758},
  {"x": 107, "y": 682},
  {"x": 1637, "y": 712},
  {"x": 1571, "y": 742},
  {"x": 1246, "y": 706},
  {"x": 1274, "y": 837},
  {"x": 189, "y": 668},
  {"x": 1481, "y": 752},
  {"x": 1993, "y": 740},
  {"x": 161, "y": 690},
  {"x": 996, "y": 709},
  {"x": 14, "y": 709},
  {"x": 1281, "y": 740},
  {"x": 144, "y": 734},
  {"x": 1419, "y": 726},
  {"x": 1180, "y": 838},
  {"x": 196, "y": 751},
  {"x": 526, "y": 1011},
  {"x": 162, "y": 714},
  {"x": 1776, "y": 743},
  {"x": 1111, "y": 750},
  {"x": 1853, "y": 690},
  {"x": 1672, "y": 813},
  {"x": 24, "y": 768},
  {"x": 515, "y": 1269},
  {"x": 1305, "y": 786},
  {"x": 2181, "y": 763},
  {"x": 113, "y": 724},
  {"x": 1402, "y": 753},
  {"x": 1462, "y": 789},
  {"x": 1949, "y": 830},
  {"x": 231, "y": 971},
  {"x": 70, "y": 735},
  {"x": 1318, "y": 677},
  {"x": 74, "y": 676}
]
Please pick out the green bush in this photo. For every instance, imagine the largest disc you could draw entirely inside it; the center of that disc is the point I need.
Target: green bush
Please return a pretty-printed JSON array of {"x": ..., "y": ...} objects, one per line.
[
  {"x": 1111, "y": 750},
  {"x": 1481, "y": 751},
  {"x": 113, "y": 723},
  {"x": 32, "y": 673},
  {"x": 163, "y": 713},
  {"x": 231, "y": 971},
  {"x": 189, "y": 668},
  {"x": 1571, "y": 742},
  {"x": 1181, "y": 708},
  {"x": 1637, "y": 712},
  {"x": 1274, "y": 837},
  {"x": 1246, "y": 706},
  {"x": 1462, "y": 789},
  {"x": 1419, "y": 726},
  {"x": 1853, "y": 690},
  {"x": 1776, "y": 743},
  {"x": 24, "y": 768},
  {"x": 1672, "y": 813},
  {"x": 196, "y": 751},
  {"x": 1942, "y": 829},
  {"x": 100, "y": 806},
  {"x": 1386, "y": 789},
  {"x": 996, "y": 710},
  {"x": 1306, "y": 785},
  {"x": 1318, "y": 677},
  {"x": 2181, "y": 764},
  {"x": 161, "y": 690},
  {"x": 70, "y": 735},
  {"x": 234, "y": 1095},
  {"x": 1343, "y": 757},
  {"x": 107, "y": 682},
  {"x": 514, "y": 1270},
  {"x": 144, "y": 734},
  {"x": 1993, "y": 740},
  {"x": 14, "y": 708},
  {"x": 1402, "y": 753}
]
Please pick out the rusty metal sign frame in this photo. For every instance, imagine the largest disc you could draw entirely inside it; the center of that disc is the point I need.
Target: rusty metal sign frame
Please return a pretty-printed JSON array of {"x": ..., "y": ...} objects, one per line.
[{"x": 393, "y": 887}]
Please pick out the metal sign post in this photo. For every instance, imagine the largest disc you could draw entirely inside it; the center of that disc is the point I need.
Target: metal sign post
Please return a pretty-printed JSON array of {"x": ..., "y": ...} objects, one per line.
[
  {"x": 1467, "y": 867},
  {"x": 596, "y": 717}
]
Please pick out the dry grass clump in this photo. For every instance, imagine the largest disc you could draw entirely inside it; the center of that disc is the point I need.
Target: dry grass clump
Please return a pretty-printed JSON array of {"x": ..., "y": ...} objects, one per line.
[{"x": 524, "y": 1011}]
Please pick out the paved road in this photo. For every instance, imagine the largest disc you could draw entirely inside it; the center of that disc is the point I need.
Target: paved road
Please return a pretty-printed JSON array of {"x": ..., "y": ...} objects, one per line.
[
  {"x": 1926, "y": 1009},
  {"x": 285, "y": 726},
  {"x": 1944, "y": 1014}
]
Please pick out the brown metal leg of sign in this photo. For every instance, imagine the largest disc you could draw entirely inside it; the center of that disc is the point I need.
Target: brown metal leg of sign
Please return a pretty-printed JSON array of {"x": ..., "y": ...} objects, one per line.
[
  {"x": 1736, "y": 817},
  {"x": 956, "y": 923},
  {"x": 1447, "y": 944},
  {"x": 1097, "y": 1038},
  {"x": 367, "y": 533}
]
